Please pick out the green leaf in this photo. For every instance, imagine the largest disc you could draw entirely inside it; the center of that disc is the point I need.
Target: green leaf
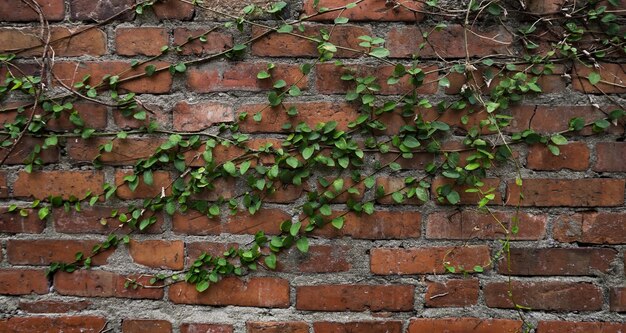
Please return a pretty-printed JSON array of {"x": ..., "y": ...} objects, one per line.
[
  {"x": 444, "y": 82},
  {"x": 263, "y": 75},
  {"x": 230, "y": 168},
  {"x": 478, "y": 269},
  {"x": 292, "y": 162},
  {"x": 554, "y": 150},
  {"x": 594, "y": 78},
  {"x": 285, "y": 28},
  {"x": 303, "y": 244},
  {"x": 337, "y": 222},
  {"x": 270, "y": 261},
  {"x": 43, "y": 213},
  {"x": 243, "y": 168},
  {"x": 379, "y": 52},
  {"x": 295, "y": 228},
  {"x": 453, "y": 197},
  {"x": 180, "y": 67},
  {"x": 294, "y": 91},
  {"x": 308, "y": 152},
  {"x": 325, "y": 210},
  {"x": 558, "y": 139},
  {"x": 280, "y": 84},
  {"x": 147, "y": 177},
  {"x": 341, "y": 20},
  {"x": 150, "y": 69},
  {"x": 202, "y": 286}
]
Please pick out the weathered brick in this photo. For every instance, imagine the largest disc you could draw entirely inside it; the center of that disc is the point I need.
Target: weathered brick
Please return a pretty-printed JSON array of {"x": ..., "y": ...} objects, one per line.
[
  {"x": 567, "y": 192},
  {"x": 158, "y": 253},
  {"x": 328, "y": 79},
  {"x": 468, "y": 198},
  {"x": 617, "y": 300},
  {"x": 215, "y": 41},
  {"x": 95, "y": 220},
  {"x": 159, "y": 83},
  {"x": 87, "y": 10},
  {"x": 124, "y": 152},
  {"x": 379, "y": 225},
  {"x": 14, "y": 223},
  {"x": 610, "y": 157},
  {"x": 173, "y": 10},
  {"x": 140, "y": 41},
  {"x": 53, "y": 306},
  {"x": 450, "y": 42},
  {"x": 368, "y": 10},
  {"x": 469, "y": 224},
  {"x": 463, "y": 324},
  {"x": 195, "y": 223},
  {"x": 205, "y": 328},
  {"x": 88, "y": 42},
  {"x": 21, "y": 153},
  {"x": 23, "y": 282},
  {"x": 319, "y": 259},
  {"x": 268, "y": 220},
  {"x": 553, "y": 261},
  {"x": 161, "y": 180},
  {"x": 57, "y": 183},
  {"x": 391, "y": 185},
  {"x": 310, "y": 113},
  {"x": 18, "y": 11},
  {"x": 275, "y": 44},
  {"x": 452, "y": 293},
  {"x": 66, "y": 324},
  {"x": 200, "y": 116},
  {"x": 255, "y": 292},
  {"x": 103, "y": 284},
  {"x": 547, "y": 119},
  {"x": 579, "y": 327},
  {"x": 613, "y": 78},
  {"x": 573, "y": 156},
  {"x": 355, "y": 297},
  {"x": 277, "y": 327},
  {"x": 591, "y": 228},
  {"x": 552, "y": 296},
  {"x": 369, "y": 326},
  {"x": 390, "y": 261},
  {"x": 47, "y": 251},
  {"x": 241, "y": 76},
  {"x": 146, "y": 326}
]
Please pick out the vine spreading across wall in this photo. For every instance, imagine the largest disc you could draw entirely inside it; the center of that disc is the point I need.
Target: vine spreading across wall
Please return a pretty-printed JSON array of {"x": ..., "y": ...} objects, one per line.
[{"x": 466, "y": 138}]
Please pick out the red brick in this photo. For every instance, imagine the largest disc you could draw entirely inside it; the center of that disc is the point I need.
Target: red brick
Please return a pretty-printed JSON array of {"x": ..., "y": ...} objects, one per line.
[
  {"x": 618, "y": 299},
  {"x": 159, "y": 83},
  {"x": 146, "y": 326},
  {"x": 13, "y": 223},
  {"x": 195, "y": 249},
  {"x": 389, "y": 261},
  {"x": 328, "y": 79},
  {"x": 573, "y": 156},
  {"x": 379, "y": 225},
  {"x": 88, "y": 10},
  {"x": 347, "y": 183},
  {"x": 94, "y": 115},
  {"x": 468, "y": 198},
  {"x": 103, "y": 284},
  {"x": 65, "y": 324},
  {"x": 591, "y": 228},
  {"x": 124, "y": 152},
  {"x": 613, "y": 78},
  {"x": 568, "y": 192},
  {"x": 87, "y": 42},
  {"x": 47, "y": 251},
  {"x": 546, "y": 119},
  {"x": 18, "y": 11},
  {"x": 173, "y": 10},
  {"x": 358, "y": 326},
  {"x": 23, "y": 282},
  {"x": 319, "y": 259},
  {"x": 241, "y": 76},
  {"x": 355, "y": 297},
  {"x": 465, "y": 325},
  {"x": 282, "y": 193},
  {"x": 469, "y": 224},
  {"x": 551, "y": 296},
  {"x": 277, "y": 327},
  {"x": 368, "y": 10},
  {"x": 311, "y": 113},
  {"x": 195, "y": 223},
  {"x": 41, "y": 184},
  {"x": 610, "y": 157},
  {"x": 452, "y": 293},
  {"x": 200, "y": 116},
  {"x": 277, "y": 44},
  {"x": 545, "y": 6},
  {"x": 205, "y": 328},
  {"x": 161, "y": 179},
  {"x": 268, "y": 220},
  {"x": 53, "y": 306},
  {"x": 4, "y": 191},
  {"x": 154, "y": 113},
  {"x": 574, "y": 261},
  {"x": 403, "y": 42},
  {"x": 579, "y": 327},
  {"x": 95, "y": 220},
  {"x": 158, "y": 253},
  {"x": 140, "y": 41},
  {"x": 25, "y": 147},
  {"x": 256, "y": 292},
  {"x": 549, "y": 83},
  {"x": 215, "y": 41},
  {"x": 391, "y": 185}
]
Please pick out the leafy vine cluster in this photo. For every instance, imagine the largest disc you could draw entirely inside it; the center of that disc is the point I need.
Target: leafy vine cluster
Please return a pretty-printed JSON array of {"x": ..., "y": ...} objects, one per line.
[{"x": 340, "y": 157}]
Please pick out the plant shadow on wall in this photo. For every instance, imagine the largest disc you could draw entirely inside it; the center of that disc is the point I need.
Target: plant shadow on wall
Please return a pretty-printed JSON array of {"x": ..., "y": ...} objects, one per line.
[{"x": 428, "y": 117}]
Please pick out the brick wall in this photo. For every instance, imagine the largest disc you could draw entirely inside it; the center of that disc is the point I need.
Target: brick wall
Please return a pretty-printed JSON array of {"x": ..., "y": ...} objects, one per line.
[{"x": 379, "y": 273}]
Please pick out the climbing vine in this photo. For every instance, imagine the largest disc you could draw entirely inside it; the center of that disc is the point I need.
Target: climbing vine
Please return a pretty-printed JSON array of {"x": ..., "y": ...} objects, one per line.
[{"x": 342, "y": 159}]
